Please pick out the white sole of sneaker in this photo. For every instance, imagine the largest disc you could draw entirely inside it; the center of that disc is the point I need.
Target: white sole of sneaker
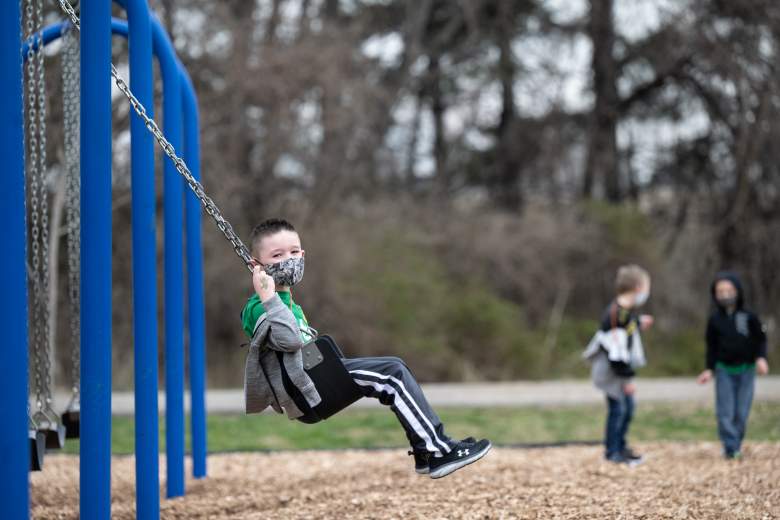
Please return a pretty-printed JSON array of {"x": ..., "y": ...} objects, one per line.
[
  {"x": 423, "y": 471},
  {"x": 445, "y": 470}
]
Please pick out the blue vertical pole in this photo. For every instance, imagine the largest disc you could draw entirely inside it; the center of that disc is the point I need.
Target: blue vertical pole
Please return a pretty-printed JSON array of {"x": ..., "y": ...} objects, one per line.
[
  {"x": 95, "y": 459},
  {"x": 147, "y": 471},
  {"x": 14, "y": 448},
  {"x": 195, "y": 283},
  {"x": 174, "y": 294},
  {"x": 174, "y": 269}
]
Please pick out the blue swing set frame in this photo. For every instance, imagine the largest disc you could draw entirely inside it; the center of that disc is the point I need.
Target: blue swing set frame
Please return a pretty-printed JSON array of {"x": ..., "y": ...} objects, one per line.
[{"x": 180, "y": 115}]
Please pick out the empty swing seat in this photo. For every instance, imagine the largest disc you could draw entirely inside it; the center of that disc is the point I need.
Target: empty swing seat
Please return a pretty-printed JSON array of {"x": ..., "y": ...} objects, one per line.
[
  {"x": 37, "y": 440},
  {"x": 52, "y": 430},
  {"x": 55, "y": 437},
  {"x": 337, "y": 389},
  {"x": 70, "y": 420}
]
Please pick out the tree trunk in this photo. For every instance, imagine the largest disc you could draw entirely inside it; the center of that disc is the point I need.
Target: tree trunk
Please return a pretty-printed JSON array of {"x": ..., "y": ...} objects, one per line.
[
  {"x": 240, "y": 137},
  {"x": 437, "y": 109},
  {"x": 303, "y": 20},
  {"x": 602, "y": 146},
  {"x": 273, "y": 22},
  {"x": 271, "y": 145},
  {"x": 168, "y": 8},
  {"x": 331, "y": 10},
  {"x": 407, "y": 176},
  {"x": 509, "y": 193},
  {"x": 330, "y": 168}
]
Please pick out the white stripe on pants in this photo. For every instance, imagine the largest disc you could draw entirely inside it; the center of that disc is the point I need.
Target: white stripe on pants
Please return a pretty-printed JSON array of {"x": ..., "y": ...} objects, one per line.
[{"x": 389, "y": 380}]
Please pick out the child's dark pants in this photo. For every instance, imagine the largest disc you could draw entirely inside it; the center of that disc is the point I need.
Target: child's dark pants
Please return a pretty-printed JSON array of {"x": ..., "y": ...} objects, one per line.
[
  {"x": 389, "y": 380},
  {"x": 619, "y": 415}
]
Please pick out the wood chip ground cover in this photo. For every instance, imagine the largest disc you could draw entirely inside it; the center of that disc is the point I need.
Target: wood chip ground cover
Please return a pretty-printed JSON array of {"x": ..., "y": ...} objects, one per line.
[{"x": 678, "y": 480}]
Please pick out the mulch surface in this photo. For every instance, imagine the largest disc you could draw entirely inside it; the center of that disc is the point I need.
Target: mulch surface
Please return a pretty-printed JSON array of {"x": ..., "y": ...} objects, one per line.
[{"x": 678, "y": 480}]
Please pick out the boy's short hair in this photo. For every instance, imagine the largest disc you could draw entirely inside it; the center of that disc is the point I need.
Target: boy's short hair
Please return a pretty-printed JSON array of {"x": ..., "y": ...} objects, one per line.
[
  {"x": 266, "y": 228},
  {"x": 629, "y": 277}
]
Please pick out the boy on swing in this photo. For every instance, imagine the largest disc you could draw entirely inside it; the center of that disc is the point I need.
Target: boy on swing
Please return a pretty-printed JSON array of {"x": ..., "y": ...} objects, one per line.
[{"x": 277, "y": 324}]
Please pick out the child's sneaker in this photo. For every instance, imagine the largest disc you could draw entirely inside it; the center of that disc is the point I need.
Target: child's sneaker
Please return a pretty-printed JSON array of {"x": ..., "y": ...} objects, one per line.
[
  {"x": 632, "y": 456},
  {"x": 421, "y": 458},
  {"x": 420, "y": 461},
  {"x": 617, "y": 458},
  {"x": 621, "y": 458},
  {"x": 733, "y": 455},
  {"x": 463, "y": 454}
]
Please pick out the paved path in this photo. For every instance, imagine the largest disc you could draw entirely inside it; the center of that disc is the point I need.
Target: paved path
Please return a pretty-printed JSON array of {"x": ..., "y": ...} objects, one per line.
[{"x": 520, "y": 393}]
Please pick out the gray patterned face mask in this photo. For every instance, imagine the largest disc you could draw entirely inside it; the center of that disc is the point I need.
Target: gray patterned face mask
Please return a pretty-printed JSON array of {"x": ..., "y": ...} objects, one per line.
[{"x": 287, "y": 272}]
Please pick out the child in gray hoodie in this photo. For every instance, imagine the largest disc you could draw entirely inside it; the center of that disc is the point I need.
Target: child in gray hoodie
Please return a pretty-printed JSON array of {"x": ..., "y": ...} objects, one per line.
[{"x": 275, "y": 374}]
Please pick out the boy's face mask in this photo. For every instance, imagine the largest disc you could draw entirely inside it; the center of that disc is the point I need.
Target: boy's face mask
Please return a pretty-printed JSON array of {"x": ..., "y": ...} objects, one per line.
[
  {"x": 287, "y": 272},
  {"x": 728, "y": 301},
  {"x": 641, "y": 298}
]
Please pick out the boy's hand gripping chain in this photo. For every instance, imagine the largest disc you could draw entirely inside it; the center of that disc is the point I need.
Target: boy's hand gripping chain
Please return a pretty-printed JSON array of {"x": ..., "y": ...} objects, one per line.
[{"x": 211, "y": 208}]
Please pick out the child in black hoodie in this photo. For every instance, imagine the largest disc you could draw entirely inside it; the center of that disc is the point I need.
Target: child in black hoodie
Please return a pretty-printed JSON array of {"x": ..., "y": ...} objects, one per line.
[{"x": 736, "y": 351}]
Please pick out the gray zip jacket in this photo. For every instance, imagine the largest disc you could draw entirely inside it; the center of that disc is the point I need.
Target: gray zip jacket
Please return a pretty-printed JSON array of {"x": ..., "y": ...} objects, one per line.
[
  {"x": 609, "y": 346},
  {"x": 276, "y": 331}
]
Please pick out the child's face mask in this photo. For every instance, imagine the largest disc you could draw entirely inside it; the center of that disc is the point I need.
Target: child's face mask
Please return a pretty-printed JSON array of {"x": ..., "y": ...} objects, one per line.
[
  {"x": 727, "y": 301},
  {"x": 641, "y": 298},
  {"x": 726, "y": 293},
  {"x": 287, "y": 272}
]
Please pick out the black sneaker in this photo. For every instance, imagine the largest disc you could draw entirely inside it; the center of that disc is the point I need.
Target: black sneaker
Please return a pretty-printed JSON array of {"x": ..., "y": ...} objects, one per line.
[
  {"x": 463, "y": 454},
  {"x": 620, "y": 458},
  {"x": 420, "y": 461},
  {"x": 733, "y": 455},
  {"x": 632, "y": 455},
  {"x": 617, "y": 458},
  {"x": 421, "y": 457}
]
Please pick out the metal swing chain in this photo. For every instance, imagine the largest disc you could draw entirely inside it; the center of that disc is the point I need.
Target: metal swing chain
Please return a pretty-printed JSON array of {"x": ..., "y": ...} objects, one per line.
[
  {"x": 71, "y": 104},
  {"x": 44, "y": 198},
  {"x": 208, "y": 205},
  {"x": 32, "y": 129}
]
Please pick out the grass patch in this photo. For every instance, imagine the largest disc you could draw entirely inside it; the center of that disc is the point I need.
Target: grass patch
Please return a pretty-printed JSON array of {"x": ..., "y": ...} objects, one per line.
[{"x": 379, "y": 428}]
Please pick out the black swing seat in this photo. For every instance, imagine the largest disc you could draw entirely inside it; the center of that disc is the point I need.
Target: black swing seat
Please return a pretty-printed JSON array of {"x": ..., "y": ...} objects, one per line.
[
  {"x": 322, "y": 362},
  {"x": 70, "y": 420},
  {"x": 54, "y": 434},
  {"x": 51, "y": 427},
  {"x": 37, "y": 440}
]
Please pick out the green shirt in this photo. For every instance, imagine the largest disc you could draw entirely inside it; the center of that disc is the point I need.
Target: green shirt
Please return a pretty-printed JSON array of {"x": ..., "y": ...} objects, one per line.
[
  {"x": 254, "y": 309},
  {"x": 735, "y": 369}
]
